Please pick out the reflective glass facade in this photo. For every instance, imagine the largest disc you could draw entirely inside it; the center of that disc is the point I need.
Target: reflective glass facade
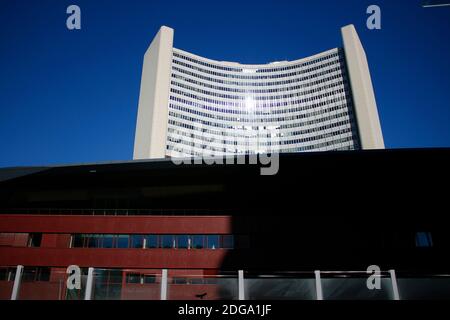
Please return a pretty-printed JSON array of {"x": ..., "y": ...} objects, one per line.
[{"x": 222, "y": 108}]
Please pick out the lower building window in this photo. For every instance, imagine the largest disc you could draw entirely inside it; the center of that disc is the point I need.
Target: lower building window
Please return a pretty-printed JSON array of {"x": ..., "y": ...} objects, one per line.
[
  {"x": 35, "y": 240},
  {"x": 32, "y": 274},
  {"x": 140, "y": 278},
  {"x": 7, "y": 274},
  {"x": 423, "y": 239},
  {"x": 165, "y": 241}
]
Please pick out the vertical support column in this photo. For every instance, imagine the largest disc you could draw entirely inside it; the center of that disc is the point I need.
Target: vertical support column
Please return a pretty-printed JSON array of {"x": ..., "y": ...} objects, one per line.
[
  {"x": 394, "y": 284},
  {"x": 318, "y": 285},
  {"x": 365, "y": 106},
  {"x": 153, "y": 109},
  {"x": 241, "y": 285},
  {"x": 164, "y": 285},
  {"x": 89, "y": 284},
  {"x": 17, "y": 279}
]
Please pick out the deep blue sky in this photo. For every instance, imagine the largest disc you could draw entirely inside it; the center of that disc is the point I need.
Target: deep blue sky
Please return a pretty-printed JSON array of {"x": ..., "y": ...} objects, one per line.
[{"x": 72, "y": 96}]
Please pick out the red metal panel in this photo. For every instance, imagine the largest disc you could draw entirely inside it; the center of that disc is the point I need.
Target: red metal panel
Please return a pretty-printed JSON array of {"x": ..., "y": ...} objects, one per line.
[
  {"x": 54, "y": 240},
  {"x": 6, "y": 289},
  {"x": 63, "y": 241},
  {"x": 42, "y": 290},
  {"x": 14, "y": 239},
  {"x": 49, "y": 240},
  {"x": 114, "y": 258},
  {"x": 116, "y": 224}
]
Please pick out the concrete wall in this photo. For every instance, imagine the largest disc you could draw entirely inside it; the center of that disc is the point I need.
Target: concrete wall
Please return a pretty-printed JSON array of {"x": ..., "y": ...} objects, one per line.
[
  {"x": 152, "y": 118},
  {"x": 365, "y": 105}
]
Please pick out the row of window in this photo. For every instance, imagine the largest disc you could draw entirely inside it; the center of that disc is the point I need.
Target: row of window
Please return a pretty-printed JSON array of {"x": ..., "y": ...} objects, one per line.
[
  {"x": 184, "y": 148},
  {"x": 310, "y": 118},
  {"x": 249, "y": 104},
  {"x": 262, "y": 138},
  {"x": 253, "y": 75},
  {"x": 263, "y": 108},
  {"x": 29, "y": 274},
  {"x": 298, "y": 78},
  {"x": 338, "y": 52},
  {"x": 293, "y": 112},
  {"x": 204, "y": 143},
  {"x": 299, "y": 86},
  {"x": 233, "y": 132},
  {"x": 297, "y": 93},
  {"x": 138, "y": 278},
  {"x": 222, "y": 147},
  {"x": 175, "y": 129},
  {"x": 180, "y": 241}
]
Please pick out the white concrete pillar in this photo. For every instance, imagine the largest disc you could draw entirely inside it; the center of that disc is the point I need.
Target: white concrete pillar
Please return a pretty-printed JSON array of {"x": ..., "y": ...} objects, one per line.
[
  {"x": 17, "y": 280},
  {"x": 164, "y": 284},
  {"x": 153, "y": 110},
  {"x": 241, "y": 287},
  {"x": 365, "y": 105},
  {"x": 394, "y": 284},
  {"x": 89, "y": 284},
  {"x": 319, "y": 294}
]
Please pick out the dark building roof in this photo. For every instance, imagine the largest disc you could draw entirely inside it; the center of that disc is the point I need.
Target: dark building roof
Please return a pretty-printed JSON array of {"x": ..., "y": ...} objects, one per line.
[{"x": 318, "y": 181}]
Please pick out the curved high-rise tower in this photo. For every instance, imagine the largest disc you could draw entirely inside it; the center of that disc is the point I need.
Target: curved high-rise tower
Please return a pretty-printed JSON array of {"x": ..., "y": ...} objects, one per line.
[{"x": 193, "y": 106}]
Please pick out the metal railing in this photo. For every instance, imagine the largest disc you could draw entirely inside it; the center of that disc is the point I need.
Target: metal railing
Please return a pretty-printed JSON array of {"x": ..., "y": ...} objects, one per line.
[
  {"x": 115, "y": 212},
  {"x": 173, "y": 284}
]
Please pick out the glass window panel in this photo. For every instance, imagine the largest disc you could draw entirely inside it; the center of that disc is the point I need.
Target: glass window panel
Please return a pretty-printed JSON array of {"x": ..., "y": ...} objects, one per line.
[
  {"x": 35, "y": 240},
  {"x": 107, "y": 241},
  {"x": 151, "y": 241},
  {"x": 198, "y": 241},
  {"x": 167, "y": 241},
  {"x": 183, "y": 241},
  {"x": 213, "y": 241},
  {"x": 227, "y": 242},
  {"x": 195, "y": 288},
  {"x": 107, "y": 284},
  {"x": 196, "y": 281},
  {"x": 423, "y": 239},
  {"x": 77, "y": 241},
  {"x": 437, "y": 288},
  {"x": 281, "y": 288},
  {"x": 179, "y": 280},
  {"x": 29, "y": 274},
  {"x": 137, "y": 241},
  {"x": 122, "y": 241},
  {"x": 133, "y": 278},
  {"x": 345, "y": 288},
  {"x": 210, "y": 280},
  {"x": 93, "y": 241},
  {"x": 43, "y": 274},
  {"x": 149, "y": 278}
]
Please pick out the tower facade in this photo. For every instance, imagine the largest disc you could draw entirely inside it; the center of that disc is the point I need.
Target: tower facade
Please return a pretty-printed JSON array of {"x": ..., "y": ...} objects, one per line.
[{"x": 193, "y": 106}]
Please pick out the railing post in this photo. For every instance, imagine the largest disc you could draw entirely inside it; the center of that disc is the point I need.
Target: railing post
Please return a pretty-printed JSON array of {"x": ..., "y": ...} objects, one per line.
[
  {"x": 319, "y": 294},
  {"x": 394, "y": 284},
  {"x": 241, "y": 287},
  {"x": 17, "y": 280},
  {"x": 164, "y": 285},
  {"x": 89, "y": 284}
]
